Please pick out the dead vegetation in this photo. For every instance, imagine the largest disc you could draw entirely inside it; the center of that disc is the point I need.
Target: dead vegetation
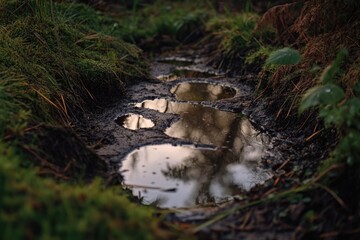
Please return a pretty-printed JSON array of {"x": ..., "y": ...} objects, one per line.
[{"x": 319, "y": 29}]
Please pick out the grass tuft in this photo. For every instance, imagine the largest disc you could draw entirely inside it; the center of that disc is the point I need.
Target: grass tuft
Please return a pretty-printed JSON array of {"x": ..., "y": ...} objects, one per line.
[{"x": 55, "y": 63}]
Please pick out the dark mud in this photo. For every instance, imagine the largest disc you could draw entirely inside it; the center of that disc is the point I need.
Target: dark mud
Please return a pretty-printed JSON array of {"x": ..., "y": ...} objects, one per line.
[
  {"x": 290, "y": 154},
  {"x": 117, "y": 141}
]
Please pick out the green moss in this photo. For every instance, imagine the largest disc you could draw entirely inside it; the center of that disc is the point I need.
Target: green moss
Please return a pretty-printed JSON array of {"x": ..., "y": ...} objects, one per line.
[
  {"x": 177, "y": 21},
  {"x": 236, "y": 32},
  {"x": 36, "y": 208},
  {"x": 58, "y": 54},
  {"x": 54, "y": 64}
]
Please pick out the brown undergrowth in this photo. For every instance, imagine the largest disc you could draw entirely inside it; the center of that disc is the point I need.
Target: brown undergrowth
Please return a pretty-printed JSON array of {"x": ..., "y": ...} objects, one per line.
[
  {"x": 319, "y": 29},
  {"x": 326, "y": 205}
]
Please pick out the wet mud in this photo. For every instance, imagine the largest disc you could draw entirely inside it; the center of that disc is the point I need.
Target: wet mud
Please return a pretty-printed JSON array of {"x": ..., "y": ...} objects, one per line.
[
  {"x": 177, "y": 161},
  {"x": 220, "y": 133}
]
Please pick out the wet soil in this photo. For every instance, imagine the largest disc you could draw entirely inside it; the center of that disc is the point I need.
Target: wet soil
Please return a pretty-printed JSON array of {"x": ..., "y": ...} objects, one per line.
[
  {"x": 118, "y": 141},
  {"x": 289, "y": 156}
]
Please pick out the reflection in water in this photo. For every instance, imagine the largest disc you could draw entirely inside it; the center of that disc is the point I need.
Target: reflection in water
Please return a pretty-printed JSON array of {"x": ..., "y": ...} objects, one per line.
[
  {"x": 184, "y": 176},
  {"x": 167, "y": 77},
  {"x": 211, "y": 126},
  {"x": 134, "y": 122},
  {"x": 202, "y": 92}
]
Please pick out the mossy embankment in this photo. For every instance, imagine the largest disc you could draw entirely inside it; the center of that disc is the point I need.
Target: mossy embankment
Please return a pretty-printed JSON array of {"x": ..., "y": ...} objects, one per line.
[{"x": 57, "y": 61}]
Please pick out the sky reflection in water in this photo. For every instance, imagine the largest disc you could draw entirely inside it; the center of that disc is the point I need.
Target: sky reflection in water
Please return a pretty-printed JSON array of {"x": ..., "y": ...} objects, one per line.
[
  {"x": 134, "y": 122},
  {"x": 184, "y": 176}
]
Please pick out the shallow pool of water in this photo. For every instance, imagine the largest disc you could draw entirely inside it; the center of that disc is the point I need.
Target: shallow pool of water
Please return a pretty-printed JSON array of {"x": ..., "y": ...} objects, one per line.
[
  {"x": 211, "y": 126},
  {"x": 185, "y": 176},
  {"x": 134, "y": 121},
  {"x": 190, "y": 91}
]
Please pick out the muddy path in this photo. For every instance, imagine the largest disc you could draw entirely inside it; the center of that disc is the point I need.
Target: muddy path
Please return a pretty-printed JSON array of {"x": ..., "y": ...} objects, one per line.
[{"x": 116, "y": 139}]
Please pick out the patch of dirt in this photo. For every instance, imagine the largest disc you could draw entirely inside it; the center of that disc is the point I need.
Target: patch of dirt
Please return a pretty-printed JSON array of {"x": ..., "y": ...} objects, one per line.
[{"x": 319, "y": 29}]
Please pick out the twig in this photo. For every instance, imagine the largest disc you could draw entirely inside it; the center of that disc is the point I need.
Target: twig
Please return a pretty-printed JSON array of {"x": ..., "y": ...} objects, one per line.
[
  {"x": 230, "y": 211},
  {"x": 42, "y": 160},
  {"x": 313, "y": 135},
  {"x": 333, "y": 194},
  {"x": 283, "y": 165},
  {"x": 59, "y": 175},
  {"x": 322, "y": 174},
  {"x": 47, "y": 99}
]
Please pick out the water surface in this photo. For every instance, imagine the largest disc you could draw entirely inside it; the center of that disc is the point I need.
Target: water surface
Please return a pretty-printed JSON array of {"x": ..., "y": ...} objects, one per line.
[
  {"x": 189, "y": 91},
  {"x": 185, "y": 176},
  {"x": 134, "y": 121},
  {"x": 211, "y": 126}
]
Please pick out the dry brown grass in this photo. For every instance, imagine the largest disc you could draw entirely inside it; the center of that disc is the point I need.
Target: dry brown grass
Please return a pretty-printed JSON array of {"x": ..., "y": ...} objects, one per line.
[{"x": 319, "y": 29}]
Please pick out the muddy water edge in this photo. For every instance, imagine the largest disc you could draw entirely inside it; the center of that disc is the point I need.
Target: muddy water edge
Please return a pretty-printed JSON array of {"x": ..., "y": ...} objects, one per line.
[{"x": 133, "y": 127}]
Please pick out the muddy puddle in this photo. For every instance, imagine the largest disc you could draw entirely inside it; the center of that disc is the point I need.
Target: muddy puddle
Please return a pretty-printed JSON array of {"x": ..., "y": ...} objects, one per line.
[
  {"x": 134, "y": 122},
  {"x": 171, "y": 176},
  {"x": 187, "y": 91},
  {"x": 215, "y": 155},
  {"x": 211, "y": 126},
  {"x": 187, "y": 176}
]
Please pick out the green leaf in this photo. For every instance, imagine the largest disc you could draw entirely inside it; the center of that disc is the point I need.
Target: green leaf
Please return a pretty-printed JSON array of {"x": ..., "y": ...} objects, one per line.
[
  {"x": 330, "y": 71},
  {"x": 328, "y": 94},
  {"x": 284, "y": 56},
  {"x": 357, "y": 89}
]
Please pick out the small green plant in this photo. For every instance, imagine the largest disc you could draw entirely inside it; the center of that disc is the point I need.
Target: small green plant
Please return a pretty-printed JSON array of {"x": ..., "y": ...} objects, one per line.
[
  {"x": 236, "y": 31},
  {"x": 322, "y": 95},
  {"x": 329, "y": 98},
  {"x": 55, "y": 62},
  {"x": 260, "y": 54},
  {"x": 284, "y": 56},
  {"x": 336, "y": 111}
]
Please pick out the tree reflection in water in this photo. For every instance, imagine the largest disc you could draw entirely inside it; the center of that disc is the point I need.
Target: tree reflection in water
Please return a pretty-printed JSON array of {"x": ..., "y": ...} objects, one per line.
[
  {"x": 202, "y": 92},
  {"x": 182, "y": 176},
  {"x": 211, "y": 126}
]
